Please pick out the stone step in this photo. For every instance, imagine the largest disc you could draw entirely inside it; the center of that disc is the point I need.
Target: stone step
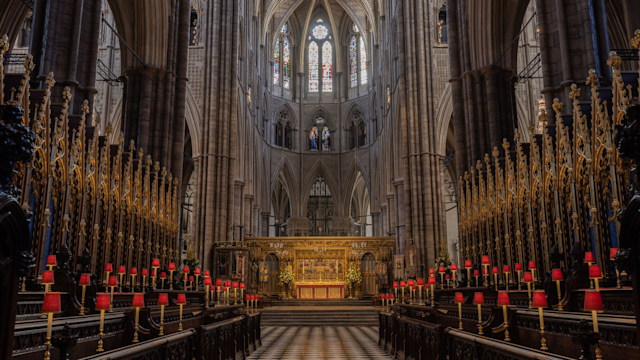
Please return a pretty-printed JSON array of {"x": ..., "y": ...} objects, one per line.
[{"x": 319, "y": 316}]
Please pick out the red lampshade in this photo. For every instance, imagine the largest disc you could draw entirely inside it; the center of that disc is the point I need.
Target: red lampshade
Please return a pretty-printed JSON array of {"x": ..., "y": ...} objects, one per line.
[
  {"x": 191, "y": 278},
  {"x": 247, "y": 297},
  {"x": 594, "y": 272},
  {"x": 468, "y": 264},
  {"x": 155, "y": 263},
  {"x": 503, "y": 298},
  {"x": 196, "y": 271},
  {"x": 539, "y": 299},
  {"x": 432, "y": 272},
  {"x": 528, "y": 277},
  {"x": 218, "y": 282},
  {"x": 454, "y": 267},
  {"x": 133, "y": 271},
  {"x": 476, "y": 272},
  {"x": 85, "y": 280},
  {"x": 108, "y": 267},
  {"x": 392, "y": 296},
  {"x": 593, "y": 301},
  {"x": 172, "y": 266},
  {"x": 612, "y": 253},
  {"x": 478, "y": 298},
  {"x": 403, "y": 283},
  {"x": 51, "y": 302},
  {"x": 185, "y": 269},
  {"x": 459, "y": 298},
  {"x": 518, "y": 267},
  {"x": 138, "y": 300},
  {"x": 144, "y": 272},
  {"x": 103, "y": 302},
  {"x": 227, "y": 283},
  {"x": 113, "y": 281},
  {"x": 47, "y": 277},
  {"x": 441, "y": 269},
  {"x": 588, "y": 257},
  {"x": 163, "y": 275},
  {"x": 420, "y": 281},
  {"x": 51, "y": 260},
  {"x": 163, "y": 299},
  {"x": 485, "y": 260},
  {"x": 556, "y": 275},
  {"x": 243, "y": 286},
  {"x": 495, "y": 270},
  {"x": 447, "y": 276},
  {"x": 410, "y": 283},
  {"x": 506, "y": 269},
  {"x": 207, "y": 281},
  {"x": 122, "y": 269},
  {"x": 432, "y": 280},
  {"x": 532, "y": 265},
  {"x": 182, "y": 299},
  {"x": 235, "y": 285},
  {"x": 207, "y": 273},
  {"x": 395, "y": 284}
]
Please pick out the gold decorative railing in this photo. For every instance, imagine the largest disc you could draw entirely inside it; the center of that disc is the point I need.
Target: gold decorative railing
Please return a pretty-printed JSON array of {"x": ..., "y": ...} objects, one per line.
[
  {"x": 86, "y": 196},
  {"x": 557, "y": 195}
]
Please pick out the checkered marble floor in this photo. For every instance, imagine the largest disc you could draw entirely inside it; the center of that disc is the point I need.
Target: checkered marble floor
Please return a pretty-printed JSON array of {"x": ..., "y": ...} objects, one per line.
[{"x": 321, "y": 342}]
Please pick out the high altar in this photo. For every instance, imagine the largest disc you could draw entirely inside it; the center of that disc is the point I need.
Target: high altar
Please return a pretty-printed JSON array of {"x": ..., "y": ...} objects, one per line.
[{"x": 320, "y": 264}]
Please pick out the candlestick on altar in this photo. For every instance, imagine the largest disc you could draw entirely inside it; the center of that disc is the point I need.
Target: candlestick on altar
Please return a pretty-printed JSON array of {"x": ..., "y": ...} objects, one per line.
[
  {"x": 113, "y": 282},
  {"x": 163, "y": 300},
  {"x": 441, "y": 270},
  {"x": 182, "y": 299},
  {"x": 403, "y": 284},
  {"x": 589, "y": 259},
  {"x": 85, "y": 280},
  {"x": 395, "y": 288},
  {"x": 163, "y": 277},
  {"x": 50, "y": 306},
  {"x": 468, "y": 265},
  {"x": 153, "y": 278},
  {"x": 235, "y": 293},
  {"x": 196, "y": 272},
  {"x": 172, "y": 268},
  {"x": 122, "y": 271},
  {"x": 612, "y": 257},
  {"x": 595, "y": 274},
  {"x": 155, "y": 265},
  {"x": 556, "y": 275},
  {"x": 247, "y": 301},
  {"x": 503, "y": 300},
  {"x": 137, "y": 303},
  {"x": 459, "y": 297},
  {"x": 528, "y": 279},
  {"x": 519, "y": 271},
  {"x": 485, "y": 269},
  {"x": 185, "y": 277},
  {"x": 593, "y": 303},
  {"x": 476, "y": 274},
  {"x": 51, "y": 262},
  {"x": 420, "y": 283},
  {"x": 540, "y": 301},
  {"x": 478, "y": 299},
  {"x": 190, "y": 282},
  {"x": 242, "y": 287},
  {"x": 410, "y": 286},
  {"x": 496, "y": 272},
  {"x": 454, "y": 269},
  {"x": 207, "y": 285},
  {"x": 102, "y": 304},
  {"x": 218, "y": 288}
]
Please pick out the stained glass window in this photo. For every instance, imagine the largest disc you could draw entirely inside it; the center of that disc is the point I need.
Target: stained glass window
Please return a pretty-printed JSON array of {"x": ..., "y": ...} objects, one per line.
[
  {"x": 313, "y": 139},
  {"x": 327, "y": 68},
  {"x": 313, "y": 67},
  {"x": 193, "y": 29},
  {"x": 286, "y": 62},
  {"x": 276, "y": 63},
  {"x": 363, "y": 62},
  {"x": 285, "y": 28},
  {"x": 320, "y": 32},
  {"x": 353, "y": 61}
]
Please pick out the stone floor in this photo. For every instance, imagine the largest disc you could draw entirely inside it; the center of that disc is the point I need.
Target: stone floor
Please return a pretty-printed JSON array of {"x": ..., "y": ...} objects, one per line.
[{"x": 320, "y": 342}]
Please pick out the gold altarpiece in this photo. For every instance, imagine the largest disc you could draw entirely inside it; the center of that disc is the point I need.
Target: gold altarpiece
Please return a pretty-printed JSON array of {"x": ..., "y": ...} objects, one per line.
[{"x": 321, "y": 263}]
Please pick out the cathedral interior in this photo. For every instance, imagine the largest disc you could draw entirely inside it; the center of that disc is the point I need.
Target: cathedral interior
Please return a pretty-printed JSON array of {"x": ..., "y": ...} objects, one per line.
[{"x": 319, "y": 179}]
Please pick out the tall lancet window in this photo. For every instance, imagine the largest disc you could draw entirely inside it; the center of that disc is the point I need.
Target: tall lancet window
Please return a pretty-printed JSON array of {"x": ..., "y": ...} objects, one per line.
[
  {"x": 357, "y": 58},
  {"x": 282, "y": 58},
  {"x": 320, "y": 59}
]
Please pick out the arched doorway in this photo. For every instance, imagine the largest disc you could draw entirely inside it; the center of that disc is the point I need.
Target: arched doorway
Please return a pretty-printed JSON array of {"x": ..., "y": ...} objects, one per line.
[
  {"x": 368, "y": 275},
  {"x": 271, "y": 286}
]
